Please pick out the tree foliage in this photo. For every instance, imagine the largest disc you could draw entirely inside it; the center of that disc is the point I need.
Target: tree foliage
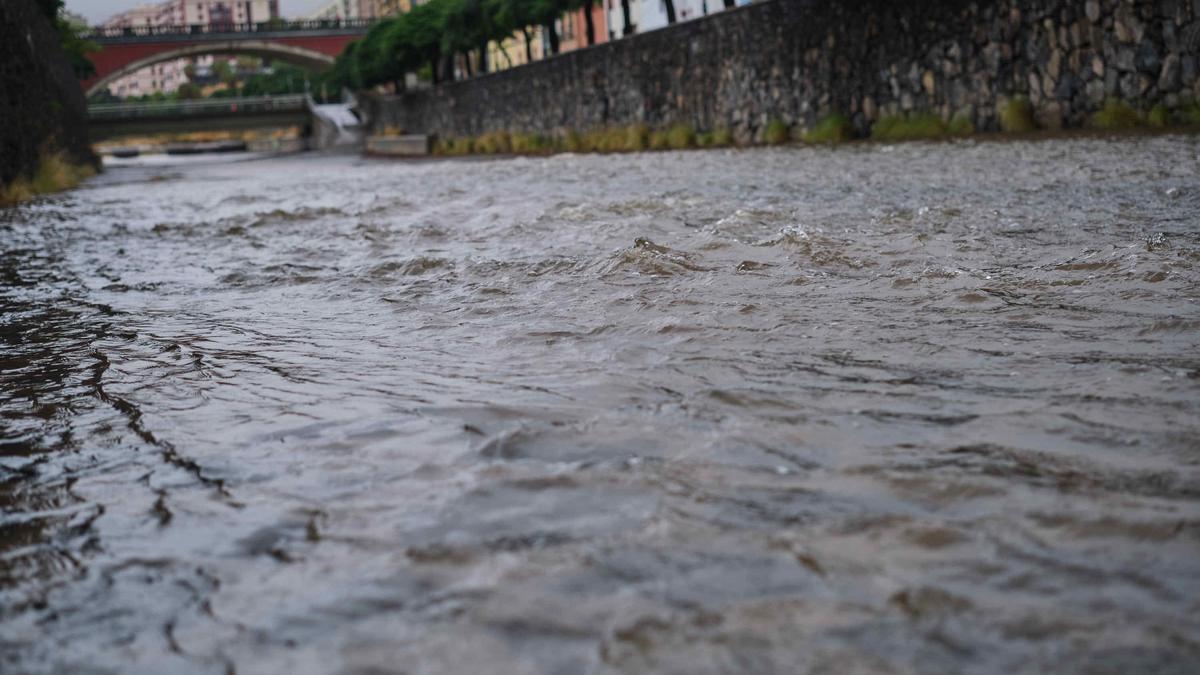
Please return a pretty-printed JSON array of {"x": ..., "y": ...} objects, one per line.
[
  {"x": 445, "y": 37},
  {"x": 75, "y": 47}
]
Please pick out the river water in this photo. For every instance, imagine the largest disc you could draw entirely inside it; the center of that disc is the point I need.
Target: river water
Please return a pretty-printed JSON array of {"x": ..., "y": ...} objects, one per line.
[{"x": 923, "y": 408}]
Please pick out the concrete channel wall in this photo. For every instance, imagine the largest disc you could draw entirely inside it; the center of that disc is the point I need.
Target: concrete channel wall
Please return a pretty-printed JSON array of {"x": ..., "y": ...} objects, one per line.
[
  {"x": 800, "y": 60},
  {"x": 42, "y": 109}
]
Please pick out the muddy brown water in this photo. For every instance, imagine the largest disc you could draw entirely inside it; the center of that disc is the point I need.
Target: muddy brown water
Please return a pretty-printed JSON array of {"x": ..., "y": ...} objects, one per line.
[{"x": 926, "y": 408}]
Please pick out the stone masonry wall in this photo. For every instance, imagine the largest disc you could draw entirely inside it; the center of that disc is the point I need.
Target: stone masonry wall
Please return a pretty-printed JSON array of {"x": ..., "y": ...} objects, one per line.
[
  {"x": 799, "y": 60},
  {"x": 41, "y": 103}
]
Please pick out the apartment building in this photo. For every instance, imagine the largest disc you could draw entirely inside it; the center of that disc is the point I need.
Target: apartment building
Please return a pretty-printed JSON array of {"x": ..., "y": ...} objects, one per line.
[{"x": 167, "y": 77}]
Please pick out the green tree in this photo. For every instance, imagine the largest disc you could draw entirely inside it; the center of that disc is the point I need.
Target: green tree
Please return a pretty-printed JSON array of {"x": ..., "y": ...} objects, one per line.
[
  {"x": 279, "y": 80},
  {"x": 421, "y": 30},
  {"x": 437, "y": 34},
  {"x": 223, "y": 71},
  {"x": 70, "y": 37},
  {"x": 517, "y": 16},
  {"x": 468, "y": 25},
  {"x": 188, "y": 91}
]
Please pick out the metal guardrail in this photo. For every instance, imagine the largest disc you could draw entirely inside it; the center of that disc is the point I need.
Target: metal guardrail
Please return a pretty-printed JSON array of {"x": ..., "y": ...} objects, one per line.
[
  {"x": 101, "y": 112},
  {"x": 118, "y": 33}
]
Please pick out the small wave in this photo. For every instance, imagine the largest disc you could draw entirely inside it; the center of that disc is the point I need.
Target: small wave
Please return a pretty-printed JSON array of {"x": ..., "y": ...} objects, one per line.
[
  {"x": 409, "y": 268},
  {"x": 1087, "y": 266},
  {"x": 791, "y": 237},
  {"x": 650, "y": 259},
  {"x": 304, "y": 214},
  {"x": 753, "y": 266},
  {"x": 1172, "y": 325}
]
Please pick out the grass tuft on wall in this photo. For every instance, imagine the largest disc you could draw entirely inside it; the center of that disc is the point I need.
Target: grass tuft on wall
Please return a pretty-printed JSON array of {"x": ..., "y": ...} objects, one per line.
[
  {"x": 1116, "y": 114},
  {"x": 1016, "y": 116},
  {"x": 55, "y": 173},
  {"x": 834, "y": 129},
  {"x": 924, "y": 126}
]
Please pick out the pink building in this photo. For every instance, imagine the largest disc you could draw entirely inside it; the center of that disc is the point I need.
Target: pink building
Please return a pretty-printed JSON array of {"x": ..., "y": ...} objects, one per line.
[
  {"x": 167, "y": 77},
  {"x": 573, "y": 27}
]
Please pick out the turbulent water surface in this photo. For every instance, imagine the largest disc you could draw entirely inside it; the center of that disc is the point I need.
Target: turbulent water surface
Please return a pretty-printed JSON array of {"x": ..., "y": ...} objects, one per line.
[{"x": 922, "y": 408}]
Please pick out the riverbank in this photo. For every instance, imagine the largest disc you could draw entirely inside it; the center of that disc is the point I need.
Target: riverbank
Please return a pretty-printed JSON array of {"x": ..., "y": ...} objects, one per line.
[
  {"x": 55, "y": 172},
  {"x": 788, "y": 66},
  {"x": 639, "y": 138}
]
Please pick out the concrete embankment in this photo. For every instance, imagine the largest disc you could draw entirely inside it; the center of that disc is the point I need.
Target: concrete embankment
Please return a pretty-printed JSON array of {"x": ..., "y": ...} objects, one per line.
[
  {"x": 43, "y": 113},
  {"x": 796, "y": 62}
]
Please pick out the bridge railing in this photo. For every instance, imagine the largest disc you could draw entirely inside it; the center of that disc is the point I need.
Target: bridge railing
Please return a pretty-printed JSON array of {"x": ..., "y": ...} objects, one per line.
[
  {"x": 117, "y": 32},
  {"x": 104, "y": 112}
]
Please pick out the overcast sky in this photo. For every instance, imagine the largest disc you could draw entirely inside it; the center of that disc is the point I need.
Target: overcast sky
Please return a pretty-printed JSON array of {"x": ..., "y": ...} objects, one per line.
[{"x": 99, "y": 10}]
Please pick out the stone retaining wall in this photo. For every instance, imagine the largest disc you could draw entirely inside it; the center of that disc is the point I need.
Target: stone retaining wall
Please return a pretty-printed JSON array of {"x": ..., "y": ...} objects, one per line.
[
  {"x": 42, "y": 107},
  {"x": 799, "y": 60}
]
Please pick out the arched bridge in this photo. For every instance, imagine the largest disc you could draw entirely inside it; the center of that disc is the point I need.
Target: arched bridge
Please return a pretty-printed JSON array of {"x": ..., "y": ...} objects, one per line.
[{"x": 312, "y": 44}]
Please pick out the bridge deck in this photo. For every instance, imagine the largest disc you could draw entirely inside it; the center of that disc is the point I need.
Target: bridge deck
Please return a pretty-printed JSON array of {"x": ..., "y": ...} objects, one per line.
[
  {"x": 226, "y": 31},
  {"x": 111, "y": 112},
  {"x": 109, "y": 120}
]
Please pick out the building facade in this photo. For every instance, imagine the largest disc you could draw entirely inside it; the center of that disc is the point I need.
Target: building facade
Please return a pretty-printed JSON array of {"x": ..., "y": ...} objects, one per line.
[
  {"x": 391, "y": 7},
  {"x": 572, "y": 27},
  {"x": 647, "y": 15},
  {"x": 168, "y": 77},
  {"x": 142, "y": 15},
  {"x": 338, "y": 10}
]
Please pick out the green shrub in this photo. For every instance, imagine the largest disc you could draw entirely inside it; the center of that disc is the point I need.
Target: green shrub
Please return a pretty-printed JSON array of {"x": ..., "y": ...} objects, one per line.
[
  {"x": 1159, "y": 116},
  {"x": 658, "y": 140},
  {"x": 492, "y": 143},
  {"x": 776, "y": 133},
  {"x": 530, "y": 143},
  {"x": 1016, "y": 116},
  {"x": 1116, "y": 114},
  {"x": 15, "y": 192},
  {"x": 960, "y": 125},
  {"x": 637, "y": 137},
  {"x": 902, "y": 128},
  {"x": 722, "y": 137},
  {"x": 571, "y": 141},
  {"x": 681, "y": 136},
  {"x": 1190, "y": 114},
  {"x": 613, "y": 140},
  {"x": 444, "y": 146},
  {"x": 55, "y": 173},
  {"x": 832, "y": 129},
  {"x": 596, "y": 140}
]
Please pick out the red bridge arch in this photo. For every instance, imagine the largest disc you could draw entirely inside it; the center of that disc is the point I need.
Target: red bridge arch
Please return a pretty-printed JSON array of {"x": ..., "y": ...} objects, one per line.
[{"x": 313, "y": 45}]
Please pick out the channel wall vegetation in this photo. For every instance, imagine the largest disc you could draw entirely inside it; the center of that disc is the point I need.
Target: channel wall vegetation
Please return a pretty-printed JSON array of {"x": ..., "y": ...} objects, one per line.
[{"x": 1016, "y": 117}]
